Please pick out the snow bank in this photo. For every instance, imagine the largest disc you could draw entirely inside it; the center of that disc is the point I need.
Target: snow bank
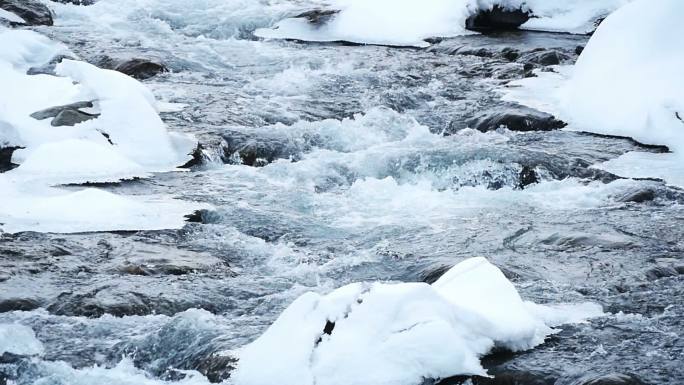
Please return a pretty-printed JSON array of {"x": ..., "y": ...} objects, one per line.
[
  {"x": 399, "y": 333},
  {"x": 627, "y": 82},
  {"x": 127, "y": 140},
  {"x": 410, "y": 22},
  {"x": 19, "y": 339}
]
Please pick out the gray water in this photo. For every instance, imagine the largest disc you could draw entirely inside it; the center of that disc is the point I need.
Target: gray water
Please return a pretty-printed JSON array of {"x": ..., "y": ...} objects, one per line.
[{"x": 370, "y": 173}]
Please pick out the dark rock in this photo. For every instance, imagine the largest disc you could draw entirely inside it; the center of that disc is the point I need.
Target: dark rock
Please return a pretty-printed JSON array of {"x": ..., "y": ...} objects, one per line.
[
  {"x": 6, "y": 158},
  {"x": 510, "y": 54},
  {"x": 198, "y": 158},
  {"x": 528, "y": 176},
  {"x": 497, "y": 19},
  {"x": 54, "y": 111},
  {"x": 71, "y": 118},
  {"x": 638, "y": 196},
  {"x": 76, "y": 2},
  {"x": 516, "y": 119},
  {"x": 661, "y": 272},
  {"x": 546, "y": 58},
  {"x": 579, "y": 49},
  {"x": 217, "y": 368},
  {"x": 318, "y": 17},
  {"x": 432, "y": 275},
  {"x": 140, "y": 69},
  {"x": 255, "y": 151},
  {"x": 32, "y": 11},
  {"x": 23, "y": 304}
]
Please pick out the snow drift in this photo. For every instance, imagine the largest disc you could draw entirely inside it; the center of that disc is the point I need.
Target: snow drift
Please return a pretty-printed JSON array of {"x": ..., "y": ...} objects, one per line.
[
  {"x": 627, "y": 82},
  {"x": 410, "y": 22},
  {"x": 126, "y": 139},
  {"x": 398, "y": 334}
]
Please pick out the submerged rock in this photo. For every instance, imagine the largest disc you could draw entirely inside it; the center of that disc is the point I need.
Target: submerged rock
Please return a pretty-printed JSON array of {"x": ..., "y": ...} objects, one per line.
[
  {"x": 32, "y": 11},
  {"x": 528, "y": 176},
  {"x": 497, "y": 19},
  {"x": 243, "y": 148},
  {"x": 516, "y": 118},
  {"x": 217, "y": 368}
]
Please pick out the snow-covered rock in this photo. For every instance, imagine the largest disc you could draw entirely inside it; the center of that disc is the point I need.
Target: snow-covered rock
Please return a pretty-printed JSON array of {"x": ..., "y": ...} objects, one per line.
[
  {"x": 125, "y": 139},
  {"x": 628, "y": 82},
  {"x": 410, "y": 22},
  {"x": 382, "y": 333}
]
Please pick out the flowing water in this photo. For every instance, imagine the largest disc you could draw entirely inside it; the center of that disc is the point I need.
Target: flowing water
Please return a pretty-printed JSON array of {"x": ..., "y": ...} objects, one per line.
[{"x": 368, "y": 173}]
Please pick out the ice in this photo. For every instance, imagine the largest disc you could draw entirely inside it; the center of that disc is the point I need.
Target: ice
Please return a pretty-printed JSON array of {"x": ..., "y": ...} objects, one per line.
[
  {"x": 19, "y": 339},
  {"x": 127, "y": 140},
  {"x": 384, "y": 333},
  {"x": 627, "y": 82},
  {"x": 410, "y": 22}
]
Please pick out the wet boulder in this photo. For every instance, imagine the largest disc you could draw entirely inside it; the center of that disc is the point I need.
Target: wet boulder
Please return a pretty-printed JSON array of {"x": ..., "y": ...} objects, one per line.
[
  {"x": 141, "y": 69},
  {"x": 32, "y": 11},
  {"x": 76, "y": 2},
  {"x": 497, "y": 19},
  {"x": 528, "y": 176},
  {"x": 544, "y": 58},
  {"x": 217, "y": 368},
  {"x": 256, "y": 150},
  {"x": 516, "y": 118}
]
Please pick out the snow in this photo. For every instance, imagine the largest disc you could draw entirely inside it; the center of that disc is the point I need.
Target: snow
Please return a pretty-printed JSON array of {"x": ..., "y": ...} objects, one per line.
[
  {"x": 128, "y": 140},
  {"x": 19, "y": 339},
  {"x": 400, "y": 333},
  {"x": 410, "y": 22},
  {"x": 10, "y": 16},
  {"x": 627, "y": 82}
]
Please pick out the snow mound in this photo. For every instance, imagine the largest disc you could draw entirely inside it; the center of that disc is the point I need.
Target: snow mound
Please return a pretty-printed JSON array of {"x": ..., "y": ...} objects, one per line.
[
  {"x": 627, "y": 82},
  {"x": 19, "y": 339},
  {"x": 381, "y": 333},
  {"x": 126, "y": 140},
  {"x": 410, "y": 22}
]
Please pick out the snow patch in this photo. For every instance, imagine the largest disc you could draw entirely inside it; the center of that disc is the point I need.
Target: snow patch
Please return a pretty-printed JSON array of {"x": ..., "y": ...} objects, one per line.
[
  {"x": 410, "y": 22},
  {"x": 382, "y": 333},
  {"x": 627, "y": 82}
]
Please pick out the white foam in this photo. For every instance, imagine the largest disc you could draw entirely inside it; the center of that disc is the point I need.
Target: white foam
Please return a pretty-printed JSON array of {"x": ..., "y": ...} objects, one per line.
[{"x": 19, "y": 339}]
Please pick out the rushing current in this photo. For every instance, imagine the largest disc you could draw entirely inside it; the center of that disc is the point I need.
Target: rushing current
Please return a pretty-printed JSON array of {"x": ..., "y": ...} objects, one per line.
[{"x": 327, "y": 164}]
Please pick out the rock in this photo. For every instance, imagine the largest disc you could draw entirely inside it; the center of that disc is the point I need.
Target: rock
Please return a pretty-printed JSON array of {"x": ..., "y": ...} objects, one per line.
[
  {"x": 32, "y": 11},
  {"x": 510, "y": 54},
  {"x": 432, "y": 275},
  {"x": 216, "y": 367},
  {"x": 67, "y": 115},
  {"x": 140, "y": 69},
  {"x": 6, "y": 158},
  {"x": 71, "y": 118},
  {"x": 545, "y": 58},
  {"x": 516, "y": 118},
  {"x": 54, "y": 111},
  {"x": 661, "y": 272},
  {"x": 255, "y": 151},
  {"x": 318, "y": 17},
  {"x": 528, "y": 176},
  {"x": 637, "y": 196},
  {"x": 198, "y": 157},
  {"x": 23, "y": 304},
  {"x": 76, "y": 2},
  {"x": 579, "y": 49},
  {"x": 497, "y": 19}
]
